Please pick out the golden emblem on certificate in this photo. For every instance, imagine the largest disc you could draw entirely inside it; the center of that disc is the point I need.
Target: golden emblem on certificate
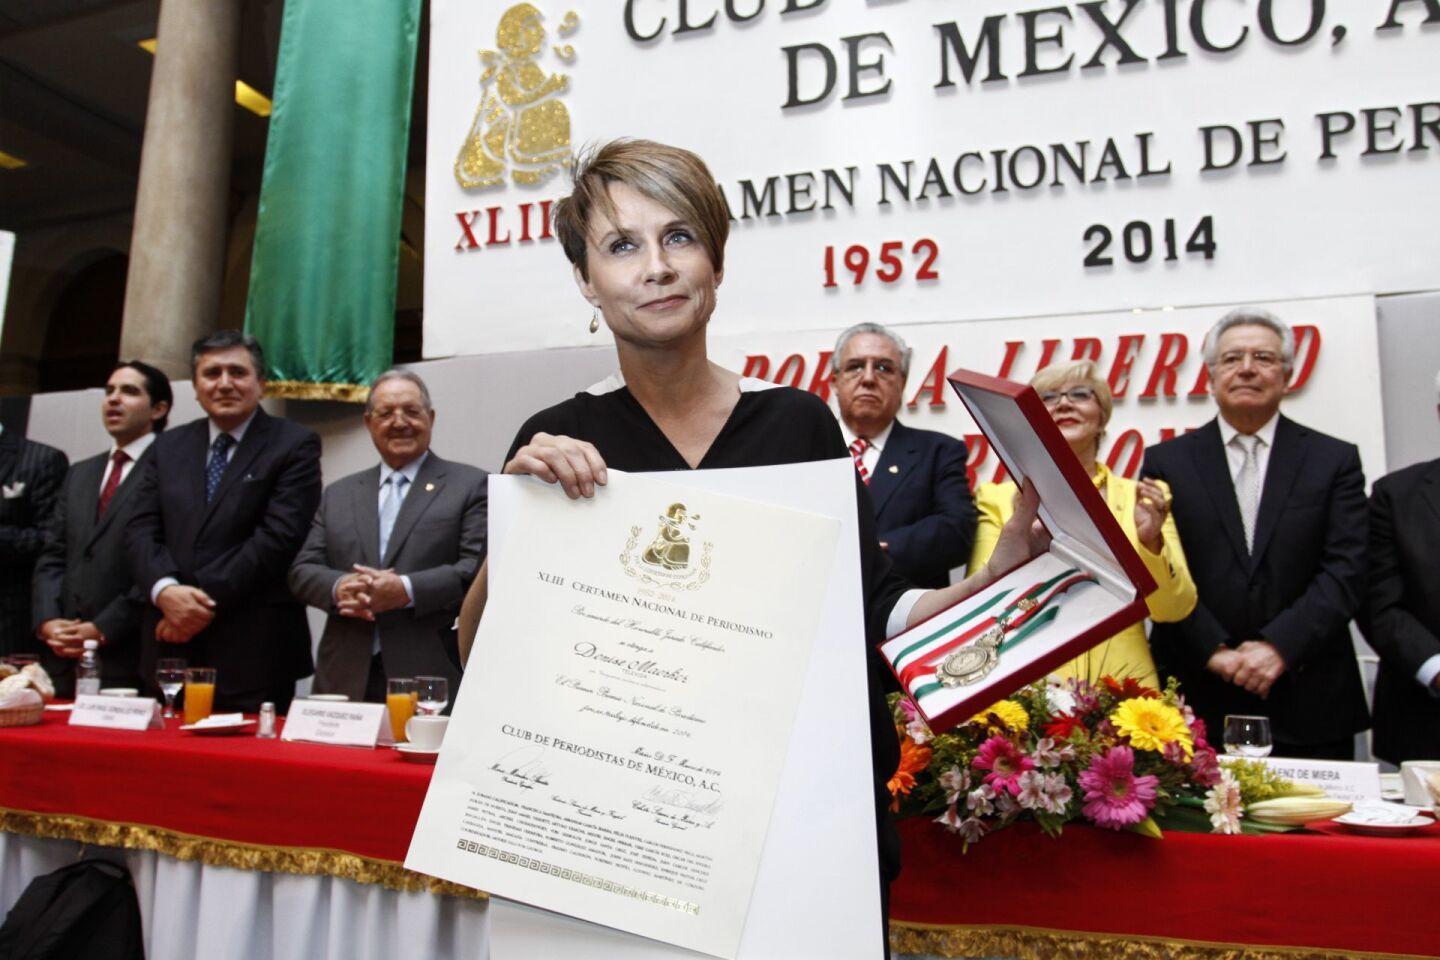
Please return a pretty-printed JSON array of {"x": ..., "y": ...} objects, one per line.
[
  {"x": 521, "y": 126},
  {"x": 666, "y": 561}
]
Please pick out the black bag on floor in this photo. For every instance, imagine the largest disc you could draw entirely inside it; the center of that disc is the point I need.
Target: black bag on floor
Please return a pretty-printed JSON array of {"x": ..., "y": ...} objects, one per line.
[{"x": 86, "y": 911}]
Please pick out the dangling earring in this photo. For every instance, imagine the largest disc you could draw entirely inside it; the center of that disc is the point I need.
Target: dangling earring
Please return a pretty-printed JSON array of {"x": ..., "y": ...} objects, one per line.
[{"x": 594, "y": 319}]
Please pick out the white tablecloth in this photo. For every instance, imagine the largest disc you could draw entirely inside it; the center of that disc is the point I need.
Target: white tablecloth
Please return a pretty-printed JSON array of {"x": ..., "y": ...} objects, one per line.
[{"x": 191, "y": 910}]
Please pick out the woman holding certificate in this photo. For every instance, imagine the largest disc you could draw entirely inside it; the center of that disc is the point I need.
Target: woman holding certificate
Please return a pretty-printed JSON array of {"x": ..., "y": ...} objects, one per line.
[
  {"x": 645, "y": 232},
  {"x": 1079, "y": 402}
]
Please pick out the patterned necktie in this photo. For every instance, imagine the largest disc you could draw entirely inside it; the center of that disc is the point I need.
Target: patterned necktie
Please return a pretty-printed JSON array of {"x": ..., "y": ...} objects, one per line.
[
  {"x": 390, "y": 500},
  {"x": 112, "y": 483},
  {"x": 1247, "y": 485},
  {"x": 215, "y": 469},
  {"x": 857, "y": 450}
]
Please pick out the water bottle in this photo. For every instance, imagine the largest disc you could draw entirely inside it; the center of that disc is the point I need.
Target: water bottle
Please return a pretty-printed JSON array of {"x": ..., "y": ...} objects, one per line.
[{"x": 87, "y": 674}]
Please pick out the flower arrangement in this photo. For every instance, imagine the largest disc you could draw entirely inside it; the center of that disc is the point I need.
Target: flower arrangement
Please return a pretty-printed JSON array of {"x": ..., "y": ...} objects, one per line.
[{"x": 1117, "y": 754}]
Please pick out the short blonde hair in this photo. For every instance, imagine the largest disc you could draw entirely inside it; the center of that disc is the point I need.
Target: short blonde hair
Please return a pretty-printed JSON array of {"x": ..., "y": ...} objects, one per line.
[
  {"x": 671, "y": 176},
  {"x": 1057, "y": 375}
]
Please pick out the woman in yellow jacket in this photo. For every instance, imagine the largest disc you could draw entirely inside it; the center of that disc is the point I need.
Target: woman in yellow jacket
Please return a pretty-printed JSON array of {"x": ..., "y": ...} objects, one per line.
[{"x": 1079, "y": 402}]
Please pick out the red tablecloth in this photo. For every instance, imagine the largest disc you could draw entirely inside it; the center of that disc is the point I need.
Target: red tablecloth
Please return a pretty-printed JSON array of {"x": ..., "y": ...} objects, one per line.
[
  {"x": 1321, "y": 894},
  {"x": 267, "y": 804},
  {"x": 239, "y": 789}
]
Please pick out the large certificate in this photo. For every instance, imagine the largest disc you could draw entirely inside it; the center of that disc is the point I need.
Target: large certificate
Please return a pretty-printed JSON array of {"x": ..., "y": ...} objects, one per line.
[{"x": 615, "y": 750}]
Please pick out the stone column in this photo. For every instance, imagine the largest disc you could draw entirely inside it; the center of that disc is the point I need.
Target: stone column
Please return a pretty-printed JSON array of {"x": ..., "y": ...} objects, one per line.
[{"x": 177, "y": 251}]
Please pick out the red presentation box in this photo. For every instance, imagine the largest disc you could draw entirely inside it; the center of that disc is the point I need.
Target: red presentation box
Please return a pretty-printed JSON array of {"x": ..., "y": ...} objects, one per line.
[{"x": 1089, "y": 586}]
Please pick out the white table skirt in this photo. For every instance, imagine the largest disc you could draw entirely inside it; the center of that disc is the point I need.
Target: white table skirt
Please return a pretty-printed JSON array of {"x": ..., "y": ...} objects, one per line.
[{"x": 221, "y": 913}]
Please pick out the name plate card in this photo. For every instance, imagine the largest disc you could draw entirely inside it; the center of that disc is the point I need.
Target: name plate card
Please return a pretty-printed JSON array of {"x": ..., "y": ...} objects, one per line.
[
  {"x": 1350, "y": 782},
  {"x": 116, "y": 713},
  {"x": 342, "y": 724}
]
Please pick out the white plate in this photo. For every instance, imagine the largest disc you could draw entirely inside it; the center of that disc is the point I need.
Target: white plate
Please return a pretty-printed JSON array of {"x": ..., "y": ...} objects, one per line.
[
  {"x": 1391, "y": 820},
  {"x": 217, "y": 729},
  {"x": 415, "y": 754}
]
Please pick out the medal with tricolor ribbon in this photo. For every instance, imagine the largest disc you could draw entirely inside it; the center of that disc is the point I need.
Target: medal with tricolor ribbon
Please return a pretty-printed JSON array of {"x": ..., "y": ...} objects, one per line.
[{"x": 948, "y": 655}]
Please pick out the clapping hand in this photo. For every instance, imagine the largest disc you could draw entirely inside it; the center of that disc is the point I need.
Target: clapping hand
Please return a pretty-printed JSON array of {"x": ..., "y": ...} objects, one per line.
[{"x": 1151, "y": 508}]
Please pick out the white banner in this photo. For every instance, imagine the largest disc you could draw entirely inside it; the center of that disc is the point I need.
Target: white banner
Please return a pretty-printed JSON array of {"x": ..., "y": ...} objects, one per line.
[
  {"x": 1152, "y": 360},
  {"x": 917, "y": 162},
  {"x": 7, "y": 255}
]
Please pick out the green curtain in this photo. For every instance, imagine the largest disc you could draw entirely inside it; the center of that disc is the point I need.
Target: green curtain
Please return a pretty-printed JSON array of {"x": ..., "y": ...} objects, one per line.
[{"x": 322, "y": 277}]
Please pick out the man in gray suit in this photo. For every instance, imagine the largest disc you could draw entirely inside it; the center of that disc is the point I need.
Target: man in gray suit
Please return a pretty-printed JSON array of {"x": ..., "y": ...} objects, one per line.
[
  {"x": 392, "y": 551},
  {"x": 83, "y": 588}
]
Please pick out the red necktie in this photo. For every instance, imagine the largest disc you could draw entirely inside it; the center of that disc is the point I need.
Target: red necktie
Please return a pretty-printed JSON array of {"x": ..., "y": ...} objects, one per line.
[
  {"x": 112, "y": 483},
  {"x": 857, "y": 450}
]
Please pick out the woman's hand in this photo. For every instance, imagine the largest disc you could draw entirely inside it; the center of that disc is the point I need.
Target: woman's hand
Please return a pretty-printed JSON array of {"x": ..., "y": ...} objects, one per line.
[
  {"x": 1021, "y": 539},
  {"x": 574, "y": 464},
  {"x": 1151, "y": 508}
]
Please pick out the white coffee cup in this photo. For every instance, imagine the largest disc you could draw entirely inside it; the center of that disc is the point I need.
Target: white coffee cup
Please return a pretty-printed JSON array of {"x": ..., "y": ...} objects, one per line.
[
  {"x": 119, "y": 692},
  {"x": 426, "y": 733},
  {"x": 1413, "y": 774}
]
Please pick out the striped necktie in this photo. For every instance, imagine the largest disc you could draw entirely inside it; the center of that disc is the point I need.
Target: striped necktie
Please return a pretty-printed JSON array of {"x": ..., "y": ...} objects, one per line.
[{"x": 857, "y": 450}]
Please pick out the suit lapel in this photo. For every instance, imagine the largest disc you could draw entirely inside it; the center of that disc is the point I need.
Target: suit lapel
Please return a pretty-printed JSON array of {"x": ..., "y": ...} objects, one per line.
[
  {"x": 1212, "y": 466},
  {"x": 365, "y": 502},
  {"x": 87, "y": 496},
  {"x": 1430, "y": 487},
  {"x": 255, "y": 439},
  {"x": 427, "y": 486},
  {"x": 894, "y": 465},
  {"x": 1280, "y": 473},
  {"x": 9, "y": 454}
]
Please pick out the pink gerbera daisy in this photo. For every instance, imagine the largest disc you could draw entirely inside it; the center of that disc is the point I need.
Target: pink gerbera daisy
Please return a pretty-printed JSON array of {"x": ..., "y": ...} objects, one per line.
[
  {"x": 1114, "y": 797},
  {"x": 1004, "y": 761}
]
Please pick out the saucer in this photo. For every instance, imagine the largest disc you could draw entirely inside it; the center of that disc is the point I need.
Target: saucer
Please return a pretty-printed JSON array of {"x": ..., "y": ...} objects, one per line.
[
  {"x": 1398, "y": 821},
  {"x": 218, "y": 729},
  {"x": 415, "y": 754}
]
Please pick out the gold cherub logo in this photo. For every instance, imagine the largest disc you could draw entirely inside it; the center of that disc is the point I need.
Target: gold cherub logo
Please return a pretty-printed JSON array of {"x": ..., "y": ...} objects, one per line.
[
  {"x": 666, "y": 561},
  {"x": 521, "y": 126}
]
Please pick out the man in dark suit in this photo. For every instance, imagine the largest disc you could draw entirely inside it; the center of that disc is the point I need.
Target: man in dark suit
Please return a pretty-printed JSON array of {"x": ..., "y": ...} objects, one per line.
[
  {"x": 83, "y": 589},
  {"x": 1272, "y": 518},
  {"x": 1402, "y": 611},
  {"x": 30, "y": 478},
  {"x": 392, "y": 551},
  {"x": 924, "y": 510},
  {"x": 223, "y": 507}
]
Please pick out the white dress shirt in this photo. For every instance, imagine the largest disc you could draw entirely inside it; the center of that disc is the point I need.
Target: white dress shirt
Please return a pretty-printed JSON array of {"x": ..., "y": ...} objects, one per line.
[
  {"x": 1236, "y": 456},
  {"x": 135, "y": 449}
]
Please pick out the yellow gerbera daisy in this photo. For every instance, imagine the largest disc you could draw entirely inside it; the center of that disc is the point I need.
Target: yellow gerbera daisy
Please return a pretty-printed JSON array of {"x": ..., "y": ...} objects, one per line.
[
  {"x": 1151, "y": 724},
  {"x": 1010, "y": 713}
]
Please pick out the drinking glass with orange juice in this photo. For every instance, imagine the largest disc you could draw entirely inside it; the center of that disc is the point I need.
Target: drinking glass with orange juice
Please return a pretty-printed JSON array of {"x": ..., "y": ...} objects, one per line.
[
  {"x": 400, "y": 695},
  {"x": 199, "y": 693}
]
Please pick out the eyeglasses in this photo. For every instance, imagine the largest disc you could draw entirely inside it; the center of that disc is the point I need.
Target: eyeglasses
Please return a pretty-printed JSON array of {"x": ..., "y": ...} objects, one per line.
[
  {"x": 1075, "y": 395},
  {"x": 1262, "y": 359},
  {"x": 405, "y": 413},
  {"x": 884, "y": 369}
]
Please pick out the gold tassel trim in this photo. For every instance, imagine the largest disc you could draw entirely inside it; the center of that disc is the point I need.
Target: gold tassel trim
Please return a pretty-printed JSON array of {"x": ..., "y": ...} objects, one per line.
[
  {"x": 310, "y": 861},
  {"x": 301, "y": 390},
  {"x": 1031, "y": 943}
]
